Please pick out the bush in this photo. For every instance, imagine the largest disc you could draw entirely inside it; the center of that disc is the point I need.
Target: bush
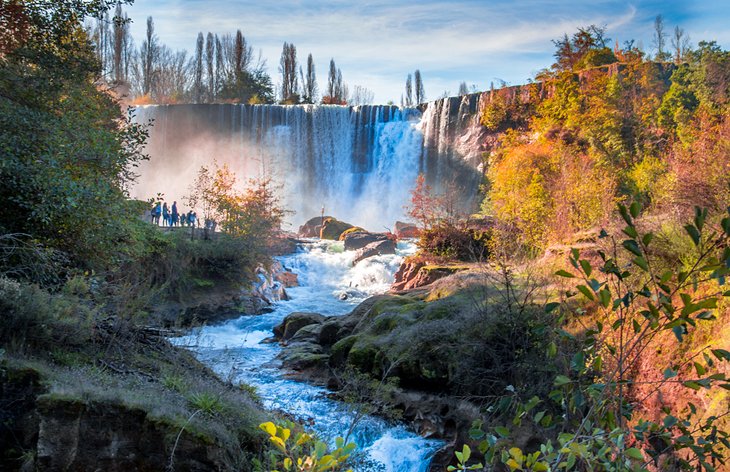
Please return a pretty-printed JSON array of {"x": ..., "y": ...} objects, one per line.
[{"x": 454, "y": 242}]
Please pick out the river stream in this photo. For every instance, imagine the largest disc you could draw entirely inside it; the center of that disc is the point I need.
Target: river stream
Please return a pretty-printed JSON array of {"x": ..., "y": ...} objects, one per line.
[{"x": 234, "y": 350}]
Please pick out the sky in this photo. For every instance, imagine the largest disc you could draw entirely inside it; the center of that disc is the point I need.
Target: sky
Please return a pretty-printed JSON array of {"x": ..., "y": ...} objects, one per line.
[{"x": 378, "y": 43}]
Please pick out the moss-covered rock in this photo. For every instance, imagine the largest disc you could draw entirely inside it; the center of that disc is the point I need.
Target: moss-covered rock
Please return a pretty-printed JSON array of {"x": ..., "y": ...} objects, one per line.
[
  {"x": 333, "y": 229},
  {"x": 294, "y": 322}
]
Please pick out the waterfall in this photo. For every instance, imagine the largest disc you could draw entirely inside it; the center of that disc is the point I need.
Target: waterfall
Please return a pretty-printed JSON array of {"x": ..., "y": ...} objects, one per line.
[{"x": 359, "y": 163}]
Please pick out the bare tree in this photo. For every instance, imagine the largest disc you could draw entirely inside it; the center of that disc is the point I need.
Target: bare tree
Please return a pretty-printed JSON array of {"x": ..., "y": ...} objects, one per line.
[
  {"x": 310, "y": 82},
  {"x": 659, "y": 40},
  {"x": 420, "y": 92},
  {"x": 680, "y": 44},
  {"x": 409, "y": 91},
  {"x": 242, "y": 55},
  {"x": 172, "y": 76},
  {"x": 361, "y": 96},
  {"x": 463, "y": 89},
  {"x": 288, "y": 69}
]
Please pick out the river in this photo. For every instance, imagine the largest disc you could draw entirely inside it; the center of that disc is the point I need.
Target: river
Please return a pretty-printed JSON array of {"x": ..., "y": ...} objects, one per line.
[{"x": 234, "y": 351}]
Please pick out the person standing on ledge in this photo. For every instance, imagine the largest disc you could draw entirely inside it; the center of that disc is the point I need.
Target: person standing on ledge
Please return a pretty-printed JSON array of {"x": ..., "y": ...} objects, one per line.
[
  {"x": 175, "y": 214},
  {"x": 165, "y": 215}
]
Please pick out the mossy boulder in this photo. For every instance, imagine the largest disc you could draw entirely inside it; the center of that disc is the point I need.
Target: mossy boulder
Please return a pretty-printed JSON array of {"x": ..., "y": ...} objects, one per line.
[
  {"x": 354, "y": 229},
  {"x": 294, "y": 322},
  {"x": 333, "y": 228}
]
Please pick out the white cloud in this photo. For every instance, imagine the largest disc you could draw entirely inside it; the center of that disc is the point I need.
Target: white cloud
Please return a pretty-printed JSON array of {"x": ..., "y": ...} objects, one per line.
[{"x": 377, "y": 43}]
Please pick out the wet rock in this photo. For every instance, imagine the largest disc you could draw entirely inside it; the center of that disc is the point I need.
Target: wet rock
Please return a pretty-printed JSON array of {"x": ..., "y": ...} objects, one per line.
[
  {"x": 287, "y": 278},
  {"x": 312, "y": 227},
  {"x": 333, "y": 229},
  {"x": 377, "y": 248},
  {"x": 359, "y": 240},
  {"x": 411, "y": 275},
  {"x": 294, "y": 322},
  {"x": 405, "y": 230}
]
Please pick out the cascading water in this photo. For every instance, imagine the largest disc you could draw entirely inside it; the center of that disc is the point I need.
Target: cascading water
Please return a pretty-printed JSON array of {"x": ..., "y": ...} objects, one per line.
[
  {"x": 359, "y": 163},
  {"x": 235, "y": 351}
]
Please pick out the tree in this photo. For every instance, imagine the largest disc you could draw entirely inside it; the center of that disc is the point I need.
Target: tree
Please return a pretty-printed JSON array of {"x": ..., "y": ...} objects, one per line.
[
  {"x": 220, "y": 68},
  {"x": 409, "y": 91},
  {"x": 68, "y": 158},
  {"x": 149, "y": 53},
  {"x": 659, "y": 39},
  {"x": 680, "y": 44},
  {"x": 587, "y": 47},
  {"x": 121, "y": 31},
  {"x": 336, "y": 88},
  {"x": 310, "y": 82},
  {"x": 361, "y": 96},
  {"x": 419, "y": 90},
  {"x": 463, "y": 89},
  {"x": 241, "y": 56},
  {"x": 288, "y": 69},
  {"x": 198, "y": 70},
  {"x": 210, "y": 67}
]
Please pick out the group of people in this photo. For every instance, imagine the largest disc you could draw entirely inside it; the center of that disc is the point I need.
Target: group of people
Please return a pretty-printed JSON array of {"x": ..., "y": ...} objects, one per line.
[{"x": 169, "y": 216}]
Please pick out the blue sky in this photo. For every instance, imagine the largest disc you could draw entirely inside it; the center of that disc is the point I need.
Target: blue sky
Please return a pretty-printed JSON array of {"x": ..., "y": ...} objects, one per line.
[{"x": 377, "y": 43}]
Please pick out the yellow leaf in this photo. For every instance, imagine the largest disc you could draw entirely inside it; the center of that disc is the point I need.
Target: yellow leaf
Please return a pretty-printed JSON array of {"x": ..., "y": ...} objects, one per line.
[
  {"x": 512, "y": 464},
  {"x": 278, "y": 442},
  {"x": 269, "y": 427},
  {"x": 516, "y": 454}
]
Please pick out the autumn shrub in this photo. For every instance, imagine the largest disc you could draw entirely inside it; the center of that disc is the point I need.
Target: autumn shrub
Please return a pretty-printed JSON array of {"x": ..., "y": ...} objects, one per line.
[
  {"x": 454, "y": 242},
  {"x": 637, "y": 309}
]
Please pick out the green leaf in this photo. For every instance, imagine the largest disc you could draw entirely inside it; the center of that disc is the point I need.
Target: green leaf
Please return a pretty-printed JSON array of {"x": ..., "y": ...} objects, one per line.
[
  {"x": 648, "y": 237},
  {"x": 466, "y": 453},
  {"x": 634, "y": 453},
  {"x": 631, "y": 246},
  {"x": 561, "y": 380},
  {"x": 625, "y": 215},
  {"x": 691, "y": 384},
  {"x": 721, "y": 354},
  {"x": 586, "y": 292},
  {"x": 550, "y": 307},
  {"x": 586, "y": 266},
  {"x": 502, "y": 431},
  {"x": 635, "y": 209},
  {"x": 669, "y": 373},
  {"x": 641, "y": 262},
  {"x": 605, "y": 297},
  {"x": 699, "y": 368},
  {"x": 566, "y": 274},
  {"x": 693, "y": 233}
]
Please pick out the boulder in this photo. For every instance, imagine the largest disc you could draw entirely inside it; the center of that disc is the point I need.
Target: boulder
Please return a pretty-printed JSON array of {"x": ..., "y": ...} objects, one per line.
[
  {"x": 354, "y": 229},
  {"x": 287, "y": 279},
  {"x": 375, "y": 249},
  {"x": 312, "y": 227},
  {"x": 333, "y": 229},
  {"x": 412, "y": 275},
  {"x": 360, "y": 239},
  {"x": 294, "y": 322},
  {"x": 405, "y": 230}
]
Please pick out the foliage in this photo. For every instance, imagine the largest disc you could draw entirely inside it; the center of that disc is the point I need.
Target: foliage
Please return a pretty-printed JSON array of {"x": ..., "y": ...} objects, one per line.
[
  {"x": 67, "y": 155},
  {"x": 598, "y": 426},
  {"x": 303, "y": 452},
  {"x": 454, "y": 242}
]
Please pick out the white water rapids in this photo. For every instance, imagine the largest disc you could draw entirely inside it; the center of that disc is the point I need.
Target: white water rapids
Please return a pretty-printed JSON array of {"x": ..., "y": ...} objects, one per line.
[{"x": 235, "y": 352}]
